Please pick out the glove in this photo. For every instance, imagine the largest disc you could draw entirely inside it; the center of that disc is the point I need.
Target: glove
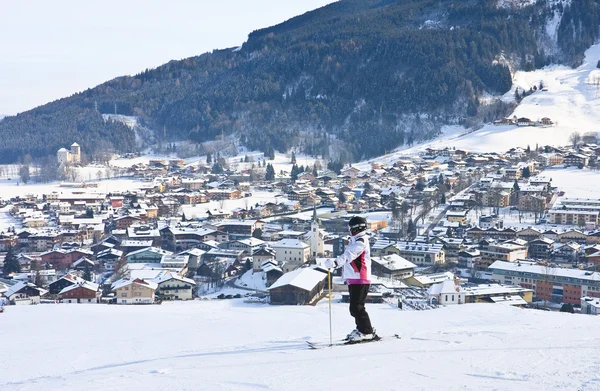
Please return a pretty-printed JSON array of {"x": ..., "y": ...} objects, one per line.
[{"x": 329, "y": 264}]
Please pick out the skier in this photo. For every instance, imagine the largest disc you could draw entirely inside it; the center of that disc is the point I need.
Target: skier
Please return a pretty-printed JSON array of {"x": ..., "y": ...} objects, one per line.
[{"x": 356, "y": 263}]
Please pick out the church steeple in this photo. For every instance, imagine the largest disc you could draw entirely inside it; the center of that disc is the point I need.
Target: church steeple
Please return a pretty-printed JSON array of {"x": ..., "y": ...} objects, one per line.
[{"x": 316, "y": 237}]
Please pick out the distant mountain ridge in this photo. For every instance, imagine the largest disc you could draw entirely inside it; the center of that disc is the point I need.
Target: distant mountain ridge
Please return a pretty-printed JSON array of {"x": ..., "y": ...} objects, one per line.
[{"x": 350, "y": 80}]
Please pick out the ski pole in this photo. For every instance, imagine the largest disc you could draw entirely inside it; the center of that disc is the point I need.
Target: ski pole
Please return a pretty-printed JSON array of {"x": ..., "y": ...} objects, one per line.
[{"x": 329, "y": 284}]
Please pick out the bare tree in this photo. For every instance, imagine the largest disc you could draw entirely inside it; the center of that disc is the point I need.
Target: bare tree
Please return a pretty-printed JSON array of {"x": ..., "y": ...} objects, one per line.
[{"x": 575, "y": 138}]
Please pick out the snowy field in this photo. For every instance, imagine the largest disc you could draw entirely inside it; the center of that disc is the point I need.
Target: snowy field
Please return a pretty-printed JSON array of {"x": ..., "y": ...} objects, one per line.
[
  {"x": 228, "y": 345},
  {"x": 572, "y": 102},
  {"x": 9, "y": 188},
  {"x": 574, "y": 182}
]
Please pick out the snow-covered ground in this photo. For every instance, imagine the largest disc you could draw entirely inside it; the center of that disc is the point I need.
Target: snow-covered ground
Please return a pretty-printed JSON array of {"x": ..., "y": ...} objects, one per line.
[
  {"x": 228, "y": 345},
  {"x": 252, "y": 280},
  {"x": 574, "y": 182},
  {"x": 10, "y": 188}
]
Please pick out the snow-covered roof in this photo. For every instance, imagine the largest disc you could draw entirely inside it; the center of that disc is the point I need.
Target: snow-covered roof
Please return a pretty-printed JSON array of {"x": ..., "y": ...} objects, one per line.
[
  {"x": 126, "y": 281},
  {"x": 531, "y": 267},
  {"x": 174, "y": 276},
  {"x": 20, "y": 285},
  {"x": 446, "y": 287},
  {"x": 81, "y": 284},
  {"x": 289, "y": 243},
  {"x": 303, "y": 278},
  {"x": 394, "y": 262}
]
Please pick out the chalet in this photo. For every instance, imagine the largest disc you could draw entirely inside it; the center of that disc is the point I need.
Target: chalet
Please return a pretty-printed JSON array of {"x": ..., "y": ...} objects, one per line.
[
  {"x": 83, "y": 263},
  {"x": 172, "y": 286},
  {"x": 55, "y": 287},
  {"x": 575, "y": 159},
  {"x": 541, "y": 248},
  {"x": 392, "y": 266},
  {"x": 299, "y": 287},
  {"x": 136, "y": 291},
  {"x": 272, "y": 272},
  {"x": 125, "y": 222},
  {"x": 24, "y": 293},
  {"x": 248, "y": 246},
  {"x": 184, "y": 238},
  {"x": 523, "y": 121},
  {"x": 262, "y": 255},
  {"x": 240, "y": 229},
  {"x": 147, "y": 255},
  {"x": 80, "y": 292}
]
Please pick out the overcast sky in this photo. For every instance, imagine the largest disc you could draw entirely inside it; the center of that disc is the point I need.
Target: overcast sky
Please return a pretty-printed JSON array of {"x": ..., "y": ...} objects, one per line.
[{"x": 52, "y": 49}]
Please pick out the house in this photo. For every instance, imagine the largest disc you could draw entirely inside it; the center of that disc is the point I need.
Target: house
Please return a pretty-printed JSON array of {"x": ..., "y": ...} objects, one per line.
[
  {"x": 299, "y": 287},
  {"x": 576, "y": 159},
  {"x": 54, "y": 288},
  {"x": 590, "y": 305},
  {"x": 421, "y": 253},
  {"x": 568, "y": 252},
  {"x": 272, "y": 272},
  {"x": 172, "y": 286},
  {"x": 468, "y": 258},
  {"x": 262, "y": 255},
  {"x": 147, "y": 255},
  {"x": 541, "y": 248},
  {"x": 448, "y": 292},
  {"x": 291, "y": 253},
  {"x": 24, "y": 293},
  {"x": 392, "y": 266},
  {"x": 513, "y": 295},
  {"x": 80, "y": 292},
  {"x": 427, "y": 280},
  {"x": 136, "y": 291},
  {"x": 248, "y": 245}
]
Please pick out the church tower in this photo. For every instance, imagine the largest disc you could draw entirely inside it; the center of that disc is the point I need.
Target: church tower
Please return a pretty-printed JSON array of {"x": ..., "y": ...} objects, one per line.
[{"x": 317, "y": 244}]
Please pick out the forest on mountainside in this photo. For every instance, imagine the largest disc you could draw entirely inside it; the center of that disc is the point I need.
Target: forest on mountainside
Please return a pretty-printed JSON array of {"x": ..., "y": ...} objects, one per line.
[{"x": 347, "y": 81}]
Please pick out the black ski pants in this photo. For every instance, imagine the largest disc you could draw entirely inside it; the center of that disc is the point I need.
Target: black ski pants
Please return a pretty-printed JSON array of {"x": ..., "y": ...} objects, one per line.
[{"x": 358, "y": 295}]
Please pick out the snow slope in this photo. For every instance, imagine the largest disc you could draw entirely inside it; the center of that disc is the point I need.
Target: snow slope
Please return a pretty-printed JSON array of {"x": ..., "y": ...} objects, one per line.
[
  {"x": 574, "y": 182},
  {"x": 229, "y": 345}
]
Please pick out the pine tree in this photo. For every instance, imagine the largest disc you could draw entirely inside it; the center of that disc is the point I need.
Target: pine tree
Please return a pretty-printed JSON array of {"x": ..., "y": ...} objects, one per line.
[
  {"x": 293, "y": 158},
  {"x": 294, "y": 173},
  {"x": 270, "y": 173},
  {"x": 443, "y": 200},
  {"x": 208, "y": 158},
  {"x": 11, "y": 263}
]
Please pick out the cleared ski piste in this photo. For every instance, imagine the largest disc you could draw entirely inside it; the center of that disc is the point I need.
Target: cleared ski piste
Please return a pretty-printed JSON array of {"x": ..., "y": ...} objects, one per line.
[{"x": 231, "y": 345}]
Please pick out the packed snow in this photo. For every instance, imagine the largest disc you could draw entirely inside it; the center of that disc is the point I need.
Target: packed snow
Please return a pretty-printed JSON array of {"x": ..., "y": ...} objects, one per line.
[{"x": 229, "y": 345}]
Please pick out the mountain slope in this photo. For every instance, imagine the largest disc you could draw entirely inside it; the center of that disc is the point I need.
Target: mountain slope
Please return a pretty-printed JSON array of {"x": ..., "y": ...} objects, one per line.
[
  {"x": 349, "y": 80},
  {"x": 228, "y": 345}
]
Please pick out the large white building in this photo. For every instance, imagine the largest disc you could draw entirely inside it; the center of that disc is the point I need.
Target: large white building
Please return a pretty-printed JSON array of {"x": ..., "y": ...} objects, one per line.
[
  {"x": 64, "y": 156},
  {"x": 291, "y": 253}
]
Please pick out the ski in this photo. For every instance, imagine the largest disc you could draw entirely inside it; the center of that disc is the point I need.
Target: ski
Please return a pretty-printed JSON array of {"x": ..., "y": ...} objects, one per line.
[{"x": 345, "y": 342}]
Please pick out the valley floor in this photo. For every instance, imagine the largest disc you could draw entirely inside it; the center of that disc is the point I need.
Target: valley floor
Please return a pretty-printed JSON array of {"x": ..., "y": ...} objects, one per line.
[{"x": 231, "y": 345}]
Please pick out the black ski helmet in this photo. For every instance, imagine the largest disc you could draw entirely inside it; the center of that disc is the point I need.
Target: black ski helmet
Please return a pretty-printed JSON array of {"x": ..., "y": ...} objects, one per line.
[{"x": 357, "y": 224}]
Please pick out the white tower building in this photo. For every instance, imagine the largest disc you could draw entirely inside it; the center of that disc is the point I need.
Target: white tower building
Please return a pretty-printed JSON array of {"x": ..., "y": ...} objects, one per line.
[
  {"x": 317, "y": 243},
  {"x": 75, "y": 153}
]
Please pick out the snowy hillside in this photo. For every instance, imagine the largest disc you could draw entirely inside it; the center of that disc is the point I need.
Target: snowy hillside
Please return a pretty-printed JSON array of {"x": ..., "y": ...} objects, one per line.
[
  {"x": 229, "y": 345},
  {"x": 572, "y": 102}
]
